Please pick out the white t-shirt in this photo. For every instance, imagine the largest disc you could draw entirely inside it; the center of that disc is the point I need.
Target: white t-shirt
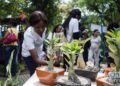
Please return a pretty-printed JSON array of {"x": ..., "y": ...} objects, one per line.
[
  {"x": 32, "y": 41},
  {"x": 73, "y": 28},
  {"x": 95, "y": 42},
  {"x": 58, "y": 35}
]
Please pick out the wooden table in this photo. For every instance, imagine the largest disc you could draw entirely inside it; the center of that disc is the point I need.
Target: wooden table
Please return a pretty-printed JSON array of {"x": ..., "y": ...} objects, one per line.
[{"x": 33, "y": 81}]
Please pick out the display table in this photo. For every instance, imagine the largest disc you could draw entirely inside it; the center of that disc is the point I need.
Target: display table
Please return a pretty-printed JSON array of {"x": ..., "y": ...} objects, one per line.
[{"x": 33, "y": 81}]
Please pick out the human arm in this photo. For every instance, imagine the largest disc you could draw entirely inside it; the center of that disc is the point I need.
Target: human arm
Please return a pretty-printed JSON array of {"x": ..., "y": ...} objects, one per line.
[
  {"x": 35, "y": 57},
  {"x": 99, "y": 44},
  {"x": 73, "y": 29}
]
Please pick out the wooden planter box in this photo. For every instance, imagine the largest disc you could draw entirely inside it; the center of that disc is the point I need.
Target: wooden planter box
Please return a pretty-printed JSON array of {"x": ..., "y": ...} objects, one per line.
[{"x": 85, "y": 73}]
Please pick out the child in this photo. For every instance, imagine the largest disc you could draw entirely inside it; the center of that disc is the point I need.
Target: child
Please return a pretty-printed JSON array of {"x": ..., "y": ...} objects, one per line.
[{"x": 95, "y": 49}]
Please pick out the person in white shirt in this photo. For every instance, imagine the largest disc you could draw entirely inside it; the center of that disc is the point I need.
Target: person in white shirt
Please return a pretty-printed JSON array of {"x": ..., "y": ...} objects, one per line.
[
  {"x": 71, "y": 29},
  {"x": 33, "y": 41},
  {"x": 95, "y": 49},
  {"x": 71, "y": 25},
  {"x": 57, "y": 32}
]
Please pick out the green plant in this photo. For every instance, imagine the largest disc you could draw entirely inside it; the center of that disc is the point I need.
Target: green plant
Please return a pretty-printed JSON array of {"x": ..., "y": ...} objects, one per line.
[
  {"x": 113, "y": 39},
  {"x": 0, "y": 83},
  {"x": 51, "y": 50},
  {"x": 12, "y": 81},
  {"x": 72, "y": 49}
]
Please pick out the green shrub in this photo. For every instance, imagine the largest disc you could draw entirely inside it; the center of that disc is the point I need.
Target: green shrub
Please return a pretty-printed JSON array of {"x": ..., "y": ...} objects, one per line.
[{"x": 113, "y": 39}]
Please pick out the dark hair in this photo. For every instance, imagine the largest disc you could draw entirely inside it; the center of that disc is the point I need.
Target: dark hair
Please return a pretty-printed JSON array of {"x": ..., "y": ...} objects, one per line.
[
  {"x": 36, "y": 17},
  {"x": 75, "y": 12},
  {"x": 95, "y": 31},
  {"x": 72, "y": 14},
  {"x": 54, "y": 30},
  {"x": 113, "y": 26},
  {"x": 13, "y": 22}
]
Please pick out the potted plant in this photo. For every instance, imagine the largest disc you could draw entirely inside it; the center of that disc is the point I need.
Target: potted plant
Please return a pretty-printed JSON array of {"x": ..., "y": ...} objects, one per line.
[
  {"x": 48, "y": 74},
  {"x": 82, "y": 69},
  {"x": 71, "y": 50},
  {"x": 113, "y": 40}
]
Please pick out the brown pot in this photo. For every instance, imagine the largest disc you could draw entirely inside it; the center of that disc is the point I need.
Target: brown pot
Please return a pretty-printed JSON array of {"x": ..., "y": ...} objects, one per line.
[
  {"x": 48, "y": 77},
  {"x": 100, "y": 81},
  {"x": 107, "y": 70}
]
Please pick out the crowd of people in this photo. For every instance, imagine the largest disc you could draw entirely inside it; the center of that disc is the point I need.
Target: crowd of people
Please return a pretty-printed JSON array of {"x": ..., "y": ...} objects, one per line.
[{"x": 33, "y": 51}]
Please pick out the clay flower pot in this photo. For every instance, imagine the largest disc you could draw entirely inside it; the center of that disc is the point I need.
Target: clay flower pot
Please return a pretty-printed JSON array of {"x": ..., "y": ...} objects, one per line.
[
  {"x": 107, "y": 70},
  {"x": 48, "y": 77},
  {"x": 102, "y": 81}
]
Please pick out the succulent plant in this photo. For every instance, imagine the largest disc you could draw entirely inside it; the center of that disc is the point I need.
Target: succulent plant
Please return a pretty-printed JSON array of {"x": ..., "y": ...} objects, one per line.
[
  {"x": 113, "y": 39},
  {"x": 72, "y": 49},
  {"x": 51, "y": 51},
  {"x": 12, "y": 81}
]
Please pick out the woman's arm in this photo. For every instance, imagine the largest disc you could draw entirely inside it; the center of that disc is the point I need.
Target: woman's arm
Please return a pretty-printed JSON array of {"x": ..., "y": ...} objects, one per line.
[
  {"x": 35, "y": 57},
  {"x": 99, "y": 45}
]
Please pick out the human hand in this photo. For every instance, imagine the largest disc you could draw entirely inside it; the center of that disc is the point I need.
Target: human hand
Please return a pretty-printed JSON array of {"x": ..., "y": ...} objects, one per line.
[{"x": 56, "y": 59}]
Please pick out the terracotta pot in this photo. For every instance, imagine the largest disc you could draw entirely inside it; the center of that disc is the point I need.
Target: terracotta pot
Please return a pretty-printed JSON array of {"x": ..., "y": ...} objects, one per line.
[
  {"x": 48, "y": 77},
  {"x": 102, "y": 82},
  {"x": 107, "y": 70}
]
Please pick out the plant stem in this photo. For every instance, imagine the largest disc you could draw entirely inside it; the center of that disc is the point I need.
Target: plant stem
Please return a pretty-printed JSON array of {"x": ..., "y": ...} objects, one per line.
[{"x": 71, "y": 68}]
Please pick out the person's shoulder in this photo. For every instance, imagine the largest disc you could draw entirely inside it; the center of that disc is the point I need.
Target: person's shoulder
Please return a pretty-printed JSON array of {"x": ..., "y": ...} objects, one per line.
[
  {"x": 28, "y": 31},
  {"x": 99, "y": 37},
  {"x": 74, "y": 20},
  {"x": 14, "y": 29},
  {"x": 11, "y": 29},
  {"x": 8, "y": 29}
]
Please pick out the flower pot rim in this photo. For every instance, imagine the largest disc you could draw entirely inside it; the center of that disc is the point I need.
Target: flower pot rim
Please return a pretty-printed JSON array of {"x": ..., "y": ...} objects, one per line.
[{"x": 40, "y": 68}]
